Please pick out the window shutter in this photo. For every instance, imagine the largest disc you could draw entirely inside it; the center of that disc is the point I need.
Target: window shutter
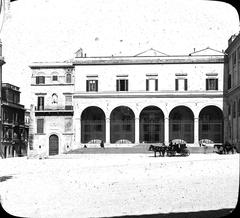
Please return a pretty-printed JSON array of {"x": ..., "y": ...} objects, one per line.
[
  {"x": 216, "y": 84},
  {"x": 156, "y": 84},
  {"x": 176, "y": 84},
  {"x": 206, "y": 84},
  {"x": 37, "y": 79},
  {"x": 117, "y": 85},
  {"x": 87, "y": 85},
  {"x": 40, "y": 123},
  {"x": 147, "y": 85},
  {"x": 185, "y": 85},
  {"x": 127, "y": 85},
  {"x": 96, "y": 85},
  {"x": 43, "y": 78}
]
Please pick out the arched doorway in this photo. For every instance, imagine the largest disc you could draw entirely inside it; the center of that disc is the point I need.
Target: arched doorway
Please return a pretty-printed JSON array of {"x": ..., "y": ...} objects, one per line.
[
  {"x": 122, "y": 125},
  {"x": 211, "y": 124},
  {"x": 151, "y": 125},
  {"x": 92, "y": 125},
  {"x": 53, "y": 145},
  {"x": 181, "y": 124}
]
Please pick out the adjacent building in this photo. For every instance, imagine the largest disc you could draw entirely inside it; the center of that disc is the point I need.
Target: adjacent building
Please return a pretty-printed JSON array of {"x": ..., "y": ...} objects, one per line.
[
  {"x": 232, "y": 91},
  {"x": 127, "y": 100},
  {"x": 14, "y": 130}
]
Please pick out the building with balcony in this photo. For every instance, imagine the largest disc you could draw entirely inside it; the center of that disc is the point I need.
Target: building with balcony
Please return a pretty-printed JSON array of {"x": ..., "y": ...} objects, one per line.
[
  {"x": 232, "y": 91},
  {"x": 128, "y": 100},
  {"x": 14, "y": 132}
]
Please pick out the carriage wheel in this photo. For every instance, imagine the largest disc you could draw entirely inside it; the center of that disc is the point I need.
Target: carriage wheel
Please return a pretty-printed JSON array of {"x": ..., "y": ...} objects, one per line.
[{"x": 187, "y": 153}]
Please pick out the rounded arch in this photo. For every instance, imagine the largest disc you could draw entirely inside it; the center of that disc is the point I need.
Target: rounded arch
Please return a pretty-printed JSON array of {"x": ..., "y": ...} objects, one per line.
[
  {"x": 181, "y": 124},
  {"x": 211, "y": 123},
  {"x": 151, "y": 121},
  {"x": 53, "y": 144},
  {"x": 122, "y": 125},
  {"x": 93, "y": 125}
]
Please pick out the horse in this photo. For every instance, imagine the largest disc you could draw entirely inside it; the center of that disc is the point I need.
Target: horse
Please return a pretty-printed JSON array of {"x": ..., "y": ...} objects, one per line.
[
  {"x": 227, "y": 147},
  {"x": 155, "y": 149}
]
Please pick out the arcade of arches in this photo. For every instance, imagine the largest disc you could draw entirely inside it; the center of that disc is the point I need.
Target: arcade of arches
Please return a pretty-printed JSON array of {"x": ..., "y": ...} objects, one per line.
[{"x": 151, "y": 126}]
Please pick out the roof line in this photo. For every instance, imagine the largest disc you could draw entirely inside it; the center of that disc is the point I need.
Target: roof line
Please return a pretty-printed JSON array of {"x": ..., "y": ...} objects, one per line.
[
  {"x": 150, "y": 50},
  {"x": 206, "y": 49}
]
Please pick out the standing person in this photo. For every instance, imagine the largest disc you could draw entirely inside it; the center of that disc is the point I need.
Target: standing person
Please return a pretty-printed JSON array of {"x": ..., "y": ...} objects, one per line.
[{"x": 102, "y": 144}]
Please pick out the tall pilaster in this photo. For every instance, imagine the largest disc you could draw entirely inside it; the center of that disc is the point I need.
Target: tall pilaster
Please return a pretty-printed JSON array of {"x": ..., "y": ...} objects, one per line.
[
  {"x": 137, "y": 130},
  {"x": 196, "y": 131},
  {"x": 166, "y": 130},
  {"x": 107, "y": 131},
  {"x": 77, "y": 132}
]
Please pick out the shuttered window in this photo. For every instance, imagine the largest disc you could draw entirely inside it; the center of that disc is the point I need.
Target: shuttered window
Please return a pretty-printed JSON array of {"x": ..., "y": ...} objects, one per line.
[
  {"x": 40, "y": 125},
  {"x": 176, "y": 84},
  {"x": 40, "y": 80},
  {"x": 92, "y": 85},
  {"x": 40, "y": 103},
  {"x": 211, "y": 84},
  {"x": 122, "y": 85}
]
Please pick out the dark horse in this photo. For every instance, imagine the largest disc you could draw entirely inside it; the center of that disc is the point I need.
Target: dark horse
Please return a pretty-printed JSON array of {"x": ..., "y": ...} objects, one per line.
[
  {"x": 225, "y": 148},
  {"x": 155, "y": 149}
]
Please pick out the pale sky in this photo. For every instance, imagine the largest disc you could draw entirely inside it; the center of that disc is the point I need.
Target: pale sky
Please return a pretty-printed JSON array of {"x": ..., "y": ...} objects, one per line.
[{"x": 53, "y": 30}]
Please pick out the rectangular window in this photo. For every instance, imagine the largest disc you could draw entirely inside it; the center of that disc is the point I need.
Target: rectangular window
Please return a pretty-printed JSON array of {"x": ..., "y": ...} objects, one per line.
[
  {"x": 40, "y": 80},
  {"x": 40, "y": 125},
  {"x": 211, "y": 84},
  {"x": 181, "y": 84},
  {"x": 68, "y": 124},
  {"x": 68, "y": 103},
  {"x": 68, "y": 78},
  {"x": 234, "y": 109},
  {"x": 55, "y": 78},
  {"x": 229, "y": 81},
  {"x": 40, "y": 103},
  {"x": 151, "y": 84},
  {"x": 122, "y": 85},
  {"x": 239, "y": 107},
  {"x": 92, "y": 85}
]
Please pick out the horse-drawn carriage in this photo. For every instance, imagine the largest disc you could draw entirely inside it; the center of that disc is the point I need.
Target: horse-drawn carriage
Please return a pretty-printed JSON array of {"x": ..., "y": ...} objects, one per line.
[
  {"x": 224, "y": 148},
  {"x": 176, "y": 147}
]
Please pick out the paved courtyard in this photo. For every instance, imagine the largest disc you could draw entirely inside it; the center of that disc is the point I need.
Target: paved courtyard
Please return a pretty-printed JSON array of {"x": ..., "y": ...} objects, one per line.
[{"x": 96, "y": 185}]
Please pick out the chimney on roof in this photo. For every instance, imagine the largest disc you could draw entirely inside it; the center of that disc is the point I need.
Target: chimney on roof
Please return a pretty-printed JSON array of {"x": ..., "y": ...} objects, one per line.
[
  {"x": 194, "y": 49},
  {"x": 79, "y": 53},
  {"x": 231, "y": 39}
]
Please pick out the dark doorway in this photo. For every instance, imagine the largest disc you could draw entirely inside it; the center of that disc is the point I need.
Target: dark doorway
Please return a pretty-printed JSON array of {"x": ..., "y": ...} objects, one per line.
[
  {"x": 151, "y": 125},
  {"x": 53, "y": 145}
]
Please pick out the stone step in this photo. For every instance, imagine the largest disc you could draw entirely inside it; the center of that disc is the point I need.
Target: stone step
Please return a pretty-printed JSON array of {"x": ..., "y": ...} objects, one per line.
[{"x": 129, "y": 150}]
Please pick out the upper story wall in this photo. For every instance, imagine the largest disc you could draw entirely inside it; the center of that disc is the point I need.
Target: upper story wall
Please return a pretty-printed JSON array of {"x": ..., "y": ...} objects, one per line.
[
  {"x": 196, "y": 70},
  {"x": 51, "y": 82},
  {"x": 232, "y": 64}
]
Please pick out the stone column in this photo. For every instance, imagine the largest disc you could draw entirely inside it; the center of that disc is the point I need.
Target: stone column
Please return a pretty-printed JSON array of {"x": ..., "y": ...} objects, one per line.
[
  {"x": 137, "y": 130},
  {"x": 196, "y": 131},
  {"x": 166, "y": 130},
  {"x": 108, "y": 131},
  {"x": 77, "y": 132}
]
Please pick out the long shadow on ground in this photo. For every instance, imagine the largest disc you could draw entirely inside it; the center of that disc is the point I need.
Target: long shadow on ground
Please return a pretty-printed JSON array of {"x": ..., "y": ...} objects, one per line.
[
  {"x": 199, "y": 214},
  {"x": 4, "y": 178}
]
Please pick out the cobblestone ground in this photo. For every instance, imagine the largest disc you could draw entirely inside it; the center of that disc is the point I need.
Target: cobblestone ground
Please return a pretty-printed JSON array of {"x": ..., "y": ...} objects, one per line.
[{"x": 95, "y": 185}]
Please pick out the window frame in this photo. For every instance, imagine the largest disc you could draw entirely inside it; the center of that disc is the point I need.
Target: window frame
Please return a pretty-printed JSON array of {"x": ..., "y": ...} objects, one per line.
[
  {"x": 209, "y": 86},
  {"x": 119, "y": 85},
  {"x": 40, "y": 125},
  {"x": 40, "y": 80},
  {"x": 92, "y": 85}
]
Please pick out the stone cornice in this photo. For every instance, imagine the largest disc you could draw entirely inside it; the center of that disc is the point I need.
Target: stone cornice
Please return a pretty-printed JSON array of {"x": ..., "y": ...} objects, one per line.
[{"x": 205, "y": 94}]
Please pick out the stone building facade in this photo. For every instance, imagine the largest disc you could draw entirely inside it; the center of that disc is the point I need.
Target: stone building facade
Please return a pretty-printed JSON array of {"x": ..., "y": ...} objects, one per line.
[
  {"x": 232, "y": 91},
  {"x": 127, "y": 101},
  {"x": 14, "y": 131}
]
